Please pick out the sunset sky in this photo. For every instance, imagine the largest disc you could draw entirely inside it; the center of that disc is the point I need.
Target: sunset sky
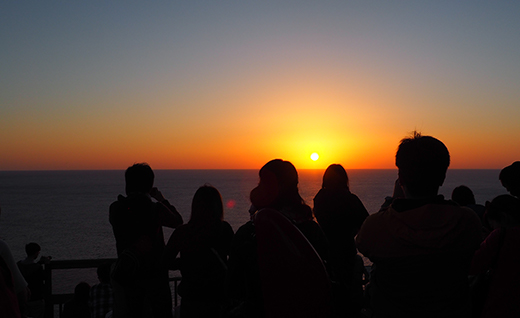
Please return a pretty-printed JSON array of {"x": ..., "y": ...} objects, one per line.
[{"x": 233, "y": 84}]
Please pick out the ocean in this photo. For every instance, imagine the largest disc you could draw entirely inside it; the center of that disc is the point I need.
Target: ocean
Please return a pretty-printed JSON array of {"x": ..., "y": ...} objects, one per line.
[{"x": 66, "y": 212}]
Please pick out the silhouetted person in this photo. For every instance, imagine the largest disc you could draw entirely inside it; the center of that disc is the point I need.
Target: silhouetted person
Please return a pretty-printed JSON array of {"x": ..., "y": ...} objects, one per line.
[
  {"x": 463, "y": 196},
  {"x": 78, "y": 306},
  {"x": 140, "y": 279},
  {"x": 13, "y": 287},
  {"x": 421, "y": 246},
  {"x": 33, "y": 273},
  {"x": 203, "y": 244},
  {"x": 101, "y": 295},
  {"x": 340, "y": 214},
  {"x": 499, "y": 253},
  {"x": 277, "y": 190},
  {"x": 510, "y": 178}
]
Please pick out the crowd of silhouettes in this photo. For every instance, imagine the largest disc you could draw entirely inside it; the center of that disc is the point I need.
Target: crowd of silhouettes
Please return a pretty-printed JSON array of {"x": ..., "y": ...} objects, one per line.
[{"x": 430, "y": 257}]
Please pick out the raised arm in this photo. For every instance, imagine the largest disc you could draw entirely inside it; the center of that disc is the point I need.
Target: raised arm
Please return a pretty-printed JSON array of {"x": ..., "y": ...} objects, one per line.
[{"x": 168, "y": 214}]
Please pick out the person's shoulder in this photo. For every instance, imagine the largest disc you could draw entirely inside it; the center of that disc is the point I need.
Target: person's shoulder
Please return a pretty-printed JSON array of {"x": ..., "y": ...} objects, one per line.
[
  {"x": 246, "y": 229},
  {"x": 182, "y": 230},
  {"x": 354, "y": 198},
  {"x": 321, "y": 193},
  {"x": 226, "y": 226},
  {"x": 3, "y": 246},
  {"x": 467, "y": 215},
  {"x": 227, "y": 231},
  {"x": 378, "y": 222},
  {"x": 118, "y": 204}
]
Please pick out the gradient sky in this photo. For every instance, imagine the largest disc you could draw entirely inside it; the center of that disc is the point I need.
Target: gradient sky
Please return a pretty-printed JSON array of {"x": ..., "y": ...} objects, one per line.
[{"x": 233, "y": 84}]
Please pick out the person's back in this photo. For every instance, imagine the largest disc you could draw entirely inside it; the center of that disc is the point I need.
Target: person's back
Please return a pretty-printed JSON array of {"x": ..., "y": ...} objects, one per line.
[
  {"x": 135, "y": 222},
  {"x": 421, "y": 246},
  {"x": 101, "y": 295},
  {"x": 421, "y": 253},
  {"x": 499, "y": 255},
  {"x": 277, "y": 190},
  {"x": 78, "y": 306},
  {"x": 203, "y": 260},
  {"x": 340, "y": 214},
  {"x": 463, "y": 196},
  {"x": 203, "y": 244},
  {"x": 140, "y": 279},
  {"x": 34, "y": 275},
  {"x": 9, "y": 306}
]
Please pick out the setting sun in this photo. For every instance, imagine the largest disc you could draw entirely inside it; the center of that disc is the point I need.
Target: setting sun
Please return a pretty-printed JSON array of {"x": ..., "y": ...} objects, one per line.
[{"x": 315, "y": 156}]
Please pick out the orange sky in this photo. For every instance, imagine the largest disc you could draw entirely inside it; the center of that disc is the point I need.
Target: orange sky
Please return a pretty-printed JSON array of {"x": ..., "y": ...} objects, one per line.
[{"x": 234, "y": 85}]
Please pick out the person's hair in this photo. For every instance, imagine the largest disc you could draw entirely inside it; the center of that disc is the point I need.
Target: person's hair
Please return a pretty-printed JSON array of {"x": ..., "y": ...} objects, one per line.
[
  {"x": 463, "y": 196},
  {"x": 82, "y": 291},
  {"x": 32, "y": 248},
  {"x": 510, "y": 176},
  {"x": 278, "y": 188},
  {"x": 422, "y": 162},
  {"x": 139, "y": 178},
  {"x": 206, "y": 205},
  {"x": 335, "y": 177},
  {"x": 103, "y": 272},
  {"x": 504, "y": 209}
]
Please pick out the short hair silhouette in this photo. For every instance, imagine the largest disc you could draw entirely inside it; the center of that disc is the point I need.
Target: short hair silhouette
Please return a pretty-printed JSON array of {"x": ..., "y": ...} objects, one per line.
[
  {"x": 139, "y": 178},
  {"x": 82, "y": 291},
  {"x": 510, "y": 178},
  {"x": 32, "y": 248},
  {"x": 422, "y": 162},
  {"x": 463, "y": 196},
  {"x": 504, "y": 209},
  {"x": 335, "y": 177},
  {"x": 103, "y": 272},
  {"x": 206, "y": 205}
]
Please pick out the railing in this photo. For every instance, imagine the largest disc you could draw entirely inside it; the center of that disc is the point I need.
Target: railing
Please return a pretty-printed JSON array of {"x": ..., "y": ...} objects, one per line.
[{"x": 51, "y": 300}]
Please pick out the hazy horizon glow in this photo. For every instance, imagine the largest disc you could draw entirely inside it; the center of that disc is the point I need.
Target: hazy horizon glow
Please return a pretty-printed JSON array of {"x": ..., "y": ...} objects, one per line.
[{"x": 232, "y": 85}]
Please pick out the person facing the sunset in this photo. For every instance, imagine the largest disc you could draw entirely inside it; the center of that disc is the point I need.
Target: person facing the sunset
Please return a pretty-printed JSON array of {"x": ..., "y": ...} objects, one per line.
[
  {"x": 421, "y": 245},
  {"x": 499, "y": 255},
  {"x": 140, "y": 280},
  {"x": 340, "y": 214},
  {"x": 203, "y": 244},
  {"x": 277, "y": 190}
]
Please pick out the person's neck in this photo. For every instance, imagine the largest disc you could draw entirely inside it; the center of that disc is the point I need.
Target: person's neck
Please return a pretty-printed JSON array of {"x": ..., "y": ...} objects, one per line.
[{"x": 29, "y": 260}]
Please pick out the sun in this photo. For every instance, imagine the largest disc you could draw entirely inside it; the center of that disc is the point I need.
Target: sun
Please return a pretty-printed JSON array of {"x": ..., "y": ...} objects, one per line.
[{"x": 315, "y": 156}]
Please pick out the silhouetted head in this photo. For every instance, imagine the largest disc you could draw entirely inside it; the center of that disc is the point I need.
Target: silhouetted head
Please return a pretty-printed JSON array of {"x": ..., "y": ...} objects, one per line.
[
  {"x": 103, "y": 273},
  {"x": 32, "y": 249},
  {"x": 335, "y": 177},
  {"x": 206, "y": 205},
  {"x": 278, "y": 186},
  {"x": 422, "y": 162},
  {"x": 82, "y": 292},
  {"x": 510, "y": 178},
  {"x": 503, "y": 211},
  {"x": 463, "y": 196},
  {"x": 139, "y": 178}
]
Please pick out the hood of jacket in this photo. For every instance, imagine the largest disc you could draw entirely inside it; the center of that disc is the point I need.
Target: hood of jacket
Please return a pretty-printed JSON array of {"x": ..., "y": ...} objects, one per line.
[{"x": 409, "y": 227}]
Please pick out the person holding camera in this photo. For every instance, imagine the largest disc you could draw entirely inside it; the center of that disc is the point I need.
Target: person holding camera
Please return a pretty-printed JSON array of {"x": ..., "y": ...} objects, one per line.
[{"x": 32, "y": 271}]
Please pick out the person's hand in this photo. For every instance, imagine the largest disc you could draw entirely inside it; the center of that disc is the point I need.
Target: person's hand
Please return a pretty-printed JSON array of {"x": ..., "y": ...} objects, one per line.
[
  {"x": 45, "y": 259},
  {"x": 156, "y": 194}
]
